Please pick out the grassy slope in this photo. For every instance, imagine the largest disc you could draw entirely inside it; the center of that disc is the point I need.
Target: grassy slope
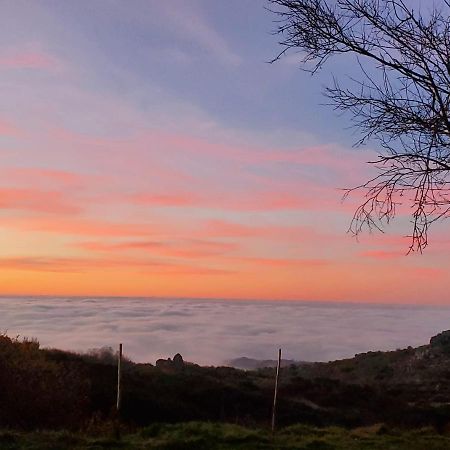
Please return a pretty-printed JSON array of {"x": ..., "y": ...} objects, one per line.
[{"x": 208, "y": 436}]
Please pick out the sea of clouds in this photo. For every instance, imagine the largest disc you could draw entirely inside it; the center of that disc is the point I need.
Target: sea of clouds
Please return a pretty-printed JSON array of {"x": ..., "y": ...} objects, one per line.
[{"x": 210, "y": 332}]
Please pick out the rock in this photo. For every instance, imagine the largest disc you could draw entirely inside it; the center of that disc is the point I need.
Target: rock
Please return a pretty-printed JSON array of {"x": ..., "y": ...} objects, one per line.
[
  {"x": 178, "y": 361},
  {"x": 163, "y": 363},
  {"x": 171, "y": 365},
  {"x": 441, "y": 340}
]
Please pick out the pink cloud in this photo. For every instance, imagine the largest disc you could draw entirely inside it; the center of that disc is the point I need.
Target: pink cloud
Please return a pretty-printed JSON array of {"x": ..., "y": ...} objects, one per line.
[
  {"x": 165, "y": 199},
  {"x": 233, "y": 177},
  {"x": 188, "y": 248},
  {"x": 302, "y": 196},
  {"x": 33, "y": 176},
  {"x": 37, "y": 201},
  {"x": 8, "y": 128},
  {"x": 336, "y": 158},
  {"x": 285, "y": 262},
  {"x": 153, "y": 142},
  {"x": 272, "y": 201},
  {"x": 382, "y": 254},
  {"x": 52, "y": 189},
  {"x": 28, "y": 58},
  {"x": 222, "y": 228},
  {"x": 83, "y": 227},
  {"x": 427, "y": 272}
]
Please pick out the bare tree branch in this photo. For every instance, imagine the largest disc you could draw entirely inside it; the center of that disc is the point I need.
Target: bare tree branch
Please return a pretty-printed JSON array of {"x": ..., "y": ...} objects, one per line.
[{"x": 401, "y": 98}]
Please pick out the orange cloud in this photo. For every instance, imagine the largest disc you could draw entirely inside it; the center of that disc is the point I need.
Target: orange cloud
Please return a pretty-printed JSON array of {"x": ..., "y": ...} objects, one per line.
[
  {"x": 284, "y": 262},
  {"x": 82, "y": 265},
  {"x": 81, "y": 227}
]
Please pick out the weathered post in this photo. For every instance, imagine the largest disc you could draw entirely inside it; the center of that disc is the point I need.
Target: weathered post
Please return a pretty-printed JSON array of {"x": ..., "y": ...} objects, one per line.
[
  {"x": 116, "y": 423},
  {"x": 276, "y": 390},
  {"x": 119, "y": 379}
]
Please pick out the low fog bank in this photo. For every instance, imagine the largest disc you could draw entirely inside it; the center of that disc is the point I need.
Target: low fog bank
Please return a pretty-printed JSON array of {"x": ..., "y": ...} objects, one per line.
[{"x": 210, "y": 332}]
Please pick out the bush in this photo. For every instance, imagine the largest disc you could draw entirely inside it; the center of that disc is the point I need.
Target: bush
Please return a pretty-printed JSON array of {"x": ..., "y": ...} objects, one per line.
[{"x": 37, "y": 392}]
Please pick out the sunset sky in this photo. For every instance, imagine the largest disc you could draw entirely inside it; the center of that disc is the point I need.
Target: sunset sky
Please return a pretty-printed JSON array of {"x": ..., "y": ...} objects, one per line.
[{"x": 148, "y": 148}]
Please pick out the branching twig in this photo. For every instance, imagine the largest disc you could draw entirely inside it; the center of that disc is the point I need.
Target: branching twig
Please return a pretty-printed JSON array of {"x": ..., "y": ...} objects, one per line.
[{"x": 401, "y": 99}]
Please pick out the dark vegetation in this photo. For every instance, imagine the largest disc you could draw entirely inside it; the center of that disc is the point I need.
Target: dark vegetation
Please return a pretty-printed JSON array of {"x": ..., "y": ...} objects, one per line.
[
  {"x": 217, "y": 436},
  {"x": 52, "y": 389}
]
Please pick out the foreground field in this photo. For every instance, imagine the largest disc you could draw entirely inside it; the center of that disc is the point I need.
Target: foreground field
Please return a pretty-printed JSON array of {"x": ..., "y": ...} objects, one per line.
[{"x": 207, "y": 436}]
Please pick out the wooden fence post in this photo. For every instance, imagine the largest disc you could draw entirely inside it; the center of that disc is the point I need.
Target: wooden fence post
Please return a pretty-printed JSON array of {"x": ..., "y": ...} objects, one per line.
[
  {"x": 119, "y": 379},
  {"x": 276, "y": 390}
]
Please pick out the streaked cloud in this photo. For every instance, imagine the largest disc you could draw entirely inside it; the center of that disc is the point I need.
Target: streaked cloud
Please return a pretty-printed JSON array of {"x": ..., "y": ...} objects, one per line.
[
  {"x": 83, "y": 265},
  {"x": 28, "y": 57},
  {"x": 80, "y": 226},
  {"x": 191, "y": 25},
  {"x": 382, "y": 254},
  {"x": 8, "y": 128},
  {"x": 189, "y": 248},
  {"x": 37, "y": 201}
]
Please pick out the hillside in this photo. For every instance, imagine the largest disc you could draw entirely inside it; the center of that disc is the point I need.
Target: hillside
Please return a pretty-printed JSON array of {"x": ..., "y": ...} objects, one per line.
[
  {"x": 54, "y": 389},
  {"x": 428, "y": 364},
  {"x": 245, "y": 363}
]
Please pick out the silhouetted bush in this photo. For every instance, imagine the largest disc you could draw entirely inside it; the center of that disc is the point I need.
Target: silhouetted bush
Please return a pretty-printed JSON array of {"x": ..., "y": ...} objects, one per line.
[{"x": 38, "y": 392}]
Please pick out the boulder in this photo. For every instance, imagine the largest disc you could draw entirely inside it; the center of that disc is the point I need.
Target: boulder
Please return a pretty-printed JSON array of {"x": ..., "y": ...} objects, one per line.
[{"x": 178, "y": 361}]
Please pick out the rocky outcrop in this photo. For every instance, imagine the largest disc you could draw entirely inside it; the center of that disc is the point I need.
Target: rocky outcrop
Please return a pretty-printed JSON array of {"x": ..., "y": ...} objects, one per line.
[
  {"x": 441, "y": 341},
  {"x": 175, "y": 364},
  {"x": 178, "y": 362}
]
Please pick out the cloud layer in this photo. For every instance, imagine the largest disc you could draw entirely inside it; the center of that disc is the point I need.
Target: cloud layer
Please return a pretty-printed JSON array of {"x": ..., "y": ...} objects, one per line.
[{"x": 212, "y": 331}]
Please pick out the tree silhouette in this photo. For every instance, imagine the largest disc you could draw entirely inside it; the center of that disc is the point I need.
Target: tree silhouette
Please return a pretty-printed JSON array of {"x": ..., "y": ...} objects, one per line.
[{"x": 401, "y": 97}]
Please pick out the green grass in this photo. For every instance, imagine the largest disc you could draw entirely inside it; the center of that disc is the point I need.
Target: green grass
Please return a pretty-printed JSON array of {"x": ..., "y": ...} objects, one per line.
[{"x": 211, "y": 436}]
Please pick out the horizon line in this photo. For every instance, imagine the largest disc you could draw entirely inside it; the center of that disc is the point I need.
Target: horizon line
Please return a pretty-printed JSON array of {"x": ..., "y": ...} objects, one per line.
[{"x": 234, "y": 299}]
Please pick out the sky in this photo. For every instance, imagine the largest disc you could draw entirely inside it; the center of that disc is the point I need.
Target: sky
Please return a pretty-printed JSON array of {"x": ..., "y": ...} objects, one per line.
[{"x": 148, "y": 148}]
